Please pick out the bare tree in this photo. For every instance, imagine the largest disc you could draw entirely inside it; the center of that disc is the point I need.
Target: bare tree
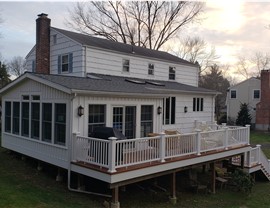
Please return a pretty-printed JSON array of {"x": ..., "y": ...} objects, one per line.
[
  {"x": 252, "y": 66},
  {"x": 142, "y": 23},
  {"x": 196, "y": 50},
  {"x": 16, "y": 66}
]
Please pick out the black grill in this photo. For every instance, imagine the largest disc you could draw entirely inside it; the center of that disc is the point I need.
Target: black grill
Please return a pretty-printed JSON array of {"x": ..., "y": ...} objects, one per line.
[{"x": 106, "y": 133}]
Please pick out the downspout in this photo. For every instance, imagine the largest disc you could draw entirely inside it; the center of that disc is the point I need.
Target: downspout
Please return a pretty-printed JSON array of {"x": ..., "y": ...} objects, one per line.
[{"x": 70, "y": 155}]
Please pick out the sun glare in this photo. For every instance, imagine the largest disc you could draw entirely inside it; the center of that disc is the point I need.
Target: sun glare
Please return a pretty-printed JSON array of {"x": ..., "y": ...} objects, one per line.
[{"x": 225, "y": 15}]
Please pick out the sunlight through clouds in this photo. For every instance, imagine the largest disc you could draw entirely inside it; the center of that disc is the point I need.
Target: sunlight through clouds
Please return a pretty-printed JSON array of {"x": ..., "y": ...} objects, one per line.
[{"x": 224, "y": 15}]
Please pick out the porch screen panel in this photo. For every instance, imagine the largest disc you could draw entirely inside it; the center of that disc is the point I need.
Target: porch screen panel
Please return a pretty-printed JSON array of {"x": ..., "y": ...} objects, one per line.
[
  {"x": 16, "y": 118},
  {"x": 146, "y": 120},
  {"x": 96, "y": 117},
  {"x": 60, "y": 124},
  {"x": 35, "y": 118},
  {"x": 25, "y": 119},
  {"x": 47, "y": 122},
  {"x": 7, "y": 116}
]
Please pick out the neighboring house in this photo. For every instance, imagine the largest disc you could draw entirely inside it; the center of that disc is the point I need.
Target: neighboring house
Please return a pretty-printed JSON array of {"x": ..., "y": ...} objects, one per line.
[
  {"x": 263, "y": 107},
  {"x": 76, "y": 82},
  {"x": 248, "y": 91}
]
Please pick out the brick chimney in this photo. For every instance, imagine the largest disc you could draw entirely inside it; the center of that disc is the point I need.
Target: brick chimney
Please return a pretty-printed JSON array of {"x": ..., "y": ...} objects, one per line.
[
  {"x": 43, "y": 24},
  {"x": 263, "y": 107}
]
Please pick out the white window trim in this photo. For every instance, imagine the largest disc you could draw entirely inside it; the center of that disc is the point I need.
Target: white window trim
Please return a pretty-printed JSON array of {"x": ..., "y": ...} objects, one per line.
[{"x": 259, "y": 94}]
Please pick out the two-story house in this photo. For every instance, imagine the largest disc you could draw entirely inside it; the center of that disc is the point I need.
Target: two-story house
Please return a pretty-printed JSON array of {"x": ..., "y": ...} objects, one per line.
[
  {"x": 247, "y": 91},
  {"x": 77, "y": 82}
]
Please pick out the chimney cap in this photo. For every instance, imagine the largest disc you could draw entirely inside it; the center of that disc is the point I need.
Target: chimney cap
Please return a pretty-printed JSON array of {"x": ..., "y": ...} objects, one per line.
[{"x": 42, "y": 15}]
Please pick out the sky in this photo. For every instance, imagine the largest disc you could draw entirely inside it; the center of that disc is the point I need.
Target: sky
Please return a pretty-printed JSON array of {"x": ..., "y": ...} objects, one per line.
[{"x": 233, "y": 27}]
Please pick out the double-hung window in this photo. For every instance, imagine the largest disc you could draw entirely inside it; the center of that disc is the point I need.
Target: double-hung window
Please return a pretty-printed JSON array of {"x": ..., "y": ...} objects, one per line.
[
  {"x": 171, "y": 73},
  {"x": 96, "y": 117},
  {"x": 151, "y": 68},
  {"x": 125, "y": 65},
  {"x": 65, "y": 63}
]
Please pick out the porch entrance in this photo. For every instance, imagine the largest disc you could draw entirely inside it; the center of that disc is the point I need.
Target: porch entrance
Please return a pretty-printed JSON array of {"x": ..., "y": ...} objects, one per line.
[{"x": 124, "y": 119}]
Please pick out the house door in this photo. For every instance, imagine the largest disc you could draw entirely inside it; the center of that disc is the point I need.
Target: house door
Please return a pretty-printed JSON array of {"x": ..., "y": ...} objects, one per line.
[{"x": 124, "y": 119}]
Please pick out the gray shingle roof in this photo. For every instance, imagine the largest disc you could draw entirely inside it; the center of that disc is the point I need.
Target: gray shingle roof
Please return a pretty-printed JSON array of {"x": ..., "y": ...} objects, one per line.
[
  {"x": 121, "y": 47},
  {"x": 118, "y": 84}
]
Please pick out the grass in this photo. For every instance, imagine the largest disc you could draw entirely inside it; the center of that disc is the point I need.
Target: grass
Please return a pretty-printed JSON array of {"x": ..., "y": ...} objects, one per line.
[
  {"x": 21, "y": 185},
  {"x": 262, "y": 138}
]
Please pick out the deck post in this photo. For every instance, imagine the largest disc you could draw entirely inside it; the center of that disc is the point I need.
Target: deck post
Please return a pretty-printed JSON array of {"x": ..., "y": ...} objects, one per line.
[
  {"x": 259, "y": 153},
  {"x": 213, "y": 176},
  {"x": 173, "y": 198},
  {"x": 248, "y": 133},
  {"x": 226, "y": 131},
  {"x": 242, "y": 161},
  {"x": 162, "y": 147},
  {"x": 74, "y": 147},
  {"x": 112, "y": 154},
  {"x": 198, "y": 138},
  {"x": 248, "y": 159},
  {"x": 115, "y": 198}
]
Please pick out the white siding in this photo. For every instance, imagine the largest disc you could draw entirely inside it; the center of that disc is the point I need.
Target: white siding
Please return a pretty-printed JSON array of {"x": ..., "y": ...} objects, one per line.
[
  {"x": 244, "y": 94},
  {"x": 80, "y": 124},
  {"x": 29, "y": 59},
  {"x": 104, "y": 62},
  {"x": 63, "y": 46},
  {"x": 184, "y": 122}
]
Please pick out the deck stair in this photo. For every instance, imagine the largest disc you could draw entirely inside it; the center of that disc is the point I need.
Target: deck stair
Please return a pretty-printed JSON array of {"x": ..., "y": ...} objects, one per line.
[{"x": 255, "y": 160}]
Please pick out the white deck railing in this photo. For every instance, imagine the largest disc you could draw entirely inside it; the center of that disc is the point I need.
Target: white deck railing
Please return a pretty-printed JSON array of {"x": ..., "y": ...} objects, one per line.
[{"x": 114, "y": 154}]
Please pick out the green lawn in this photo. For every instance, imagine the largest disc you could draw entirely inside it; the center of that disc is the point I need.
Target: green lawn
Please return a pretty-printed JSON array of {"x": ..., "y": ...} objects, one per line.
[
  {"x": 262, "y": 138},
  {"x": 21, "y": 185}
]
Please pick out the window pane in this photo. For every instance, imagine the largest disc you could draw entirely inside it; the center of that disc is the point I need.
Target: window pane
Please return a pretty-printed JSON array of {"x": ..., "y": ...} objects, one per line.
[
  {"x": 172, "y": 110},
  {"x": 118, "y": 118},
  {"x": 25, "y": 119},
  {"x": 172, "y": 73},
  {"x": 60, "y": 124},
  {"x": 96, "y": 117},
  {"x": 256, "y": 94},
  {"x": 16, "y": 118},
  {"x": 64, "y": 63},
  {"x": 47, "y": 122},
  {"x": 167, "y": 112},
  {"x": 194, "y": 104},
  {"x": 146, "y": 120},
  {"x": 35, "y": 120},
  {"x": 201, "y": 104},
  {"x": 8, "y": 116}
]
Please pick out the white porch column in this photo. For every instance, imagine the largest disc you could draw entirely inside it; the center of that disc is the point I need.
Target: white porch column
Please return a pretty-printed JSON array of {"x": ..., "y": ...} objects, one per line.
[
  {"x": 198, "y": 139},
  {"x": 162, "y": 144},
  {"x": 112, "y": 154},
  {"x": 226, "y": 135}
]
